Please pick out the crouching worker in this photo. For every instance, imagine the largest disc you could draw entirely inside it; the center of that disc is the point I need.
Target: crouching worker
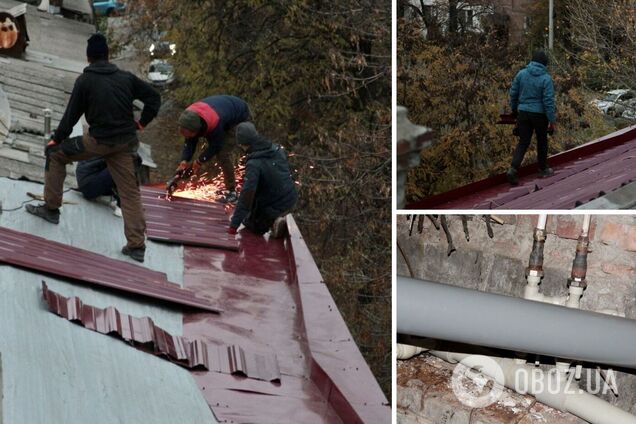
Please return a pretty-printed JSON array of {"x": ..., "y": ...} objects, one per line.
[
  {"x": 104, "y": 94},
  {"x": 94, "y": 181},
  {"x": 213, "y": 118},
  {"x": 268, "y": 189}
]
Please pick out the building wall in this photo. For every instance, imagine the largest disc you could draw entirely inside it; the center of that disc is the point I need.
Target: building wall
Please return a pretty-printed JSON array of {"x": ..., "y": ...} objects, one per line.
[{"x": 517, "y": 10}]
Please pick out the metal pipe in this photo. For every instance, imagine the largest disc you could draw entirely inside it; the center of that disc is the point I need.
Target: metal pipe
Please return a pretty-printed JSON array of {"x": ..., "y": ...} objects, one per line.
[
  {"x": 551, "y": 25},
  {"x": 457, "y": 314},
  {"x": 47, "y": 124},
  {"x": 579, "y": 265}
]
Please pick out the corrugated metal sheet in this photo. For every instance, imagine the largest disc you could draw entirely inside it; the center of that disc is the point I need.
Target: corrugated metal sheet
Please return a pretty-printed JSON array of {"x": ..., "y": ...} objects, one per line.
[
  {"x": 274, "y": 296},
  {"x": 581, "y": 175},
  {"x": 145, "y": 335},
  {"x": 43, "y": 255},
  {"x": 185, "y": 221}
]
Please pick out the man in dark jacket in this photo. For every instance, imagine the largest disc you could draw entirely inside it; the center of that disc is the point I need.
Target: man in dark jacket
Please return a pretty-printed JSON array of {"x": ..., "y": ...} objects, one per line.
[
  {"x": 104, "y": 94},
  {"x": 213, "y": 118},
  {"x": 268, "y": 188},
  {"x": 532, "y": 100}
]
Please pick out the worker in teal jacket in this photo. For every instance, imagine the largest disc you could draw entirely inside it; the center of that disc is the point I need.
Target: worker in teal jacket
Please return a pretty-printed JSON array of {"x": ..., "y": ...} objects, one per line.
[{"x": 532, "y": 102}]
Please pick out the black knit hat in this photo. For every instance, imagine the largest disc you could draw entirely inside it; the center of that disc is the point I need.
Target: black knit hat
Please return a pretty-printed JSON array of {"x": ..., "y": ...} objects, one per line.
[
  {"x": 541, "y": 57},
  {"x": 97, "y": 47}
]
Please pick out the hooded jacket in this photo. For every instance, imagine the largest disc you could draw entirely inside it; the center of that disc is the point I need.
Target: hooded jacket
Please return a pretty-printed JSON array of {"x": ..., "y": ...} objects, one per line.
[
  {"x": 533, "y": 91},
  {"x": 105, "y": 94},
  {"x": 229, "y": 110},
  {"x": 268, "y": 187}
]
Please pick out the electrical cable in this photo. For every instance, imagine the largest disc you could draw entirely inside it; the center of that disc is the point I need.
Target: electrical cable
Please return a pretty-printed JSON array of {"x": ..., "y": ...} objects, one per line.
[{"x": 27, "y": 201}]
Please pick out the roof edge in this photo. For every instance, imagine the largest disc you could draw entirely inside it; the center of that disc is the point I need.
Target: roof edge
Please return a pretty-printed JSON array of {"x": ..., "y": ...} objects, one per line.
[
  {"x": 603, "y": 143},
  {"x": 306, "y": 275}
]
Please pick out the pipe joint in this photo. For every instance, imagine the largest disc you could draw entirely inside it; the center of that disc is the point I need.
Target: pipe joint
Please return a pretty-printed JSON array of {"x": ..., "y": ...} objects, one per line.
[
  {"x": 579, "y": 265},
  {"x": 577, "y": 282},
  {"x": 536, "y": 255}
]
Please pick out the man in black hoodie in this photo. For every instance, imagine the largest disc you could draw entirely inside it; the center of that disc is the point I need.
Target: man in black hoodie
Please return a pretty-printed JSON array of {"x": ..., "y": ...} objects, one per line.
[
  {"x": 268, "y": 188},
  {"x": 104, "y": 94}
]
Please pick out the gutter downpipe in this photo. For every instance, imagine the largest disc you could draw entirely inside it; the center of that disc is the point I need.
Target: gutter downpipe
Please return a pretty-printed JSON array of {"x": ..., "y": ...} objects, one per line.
[
  {"x": 429, "y": 309},
  {"x": 526, "y": 379}
]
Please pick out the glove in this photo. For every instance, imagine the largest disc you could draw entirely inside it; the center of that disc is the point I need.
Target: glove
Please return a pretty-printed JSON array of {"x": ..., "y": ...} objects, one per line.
[
  {"x": 49, "y": 147},
  {"x": 195, "y": 166},
  {"x": 514, "y": 114},
  {"x": 551, "y": 128},
  {"x": 139, "y": 126},
  {"x": 231, "y": 230},
  {"x": 182, "y": 165}
]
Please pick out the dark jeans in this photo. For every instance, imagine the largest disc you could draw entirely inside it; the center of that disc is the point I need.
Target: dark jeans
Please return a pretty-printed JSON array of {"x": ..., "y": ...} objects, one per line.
[{"x": 529, "y": 122}]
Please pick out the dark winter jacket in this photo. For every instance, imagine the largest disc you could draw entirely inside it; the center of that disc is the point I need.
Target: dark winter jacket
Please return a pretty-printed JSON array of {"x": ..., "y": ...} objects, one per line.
[
  {"x": 533, "y": 91},
  {"x": 268, "y": 187},
  {"x": 229, "y": 110},
  {"x": 105, "y": 94},
  {"x": 93, "y": 178}
]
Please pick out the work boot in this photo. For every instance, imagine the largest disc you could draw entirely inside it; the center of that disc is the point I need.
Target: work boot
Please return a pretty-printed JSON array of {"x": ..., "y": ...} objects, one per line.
[
  {"x": 279, "y": 228},
  {"x": 137, "y": 254},
  {"x": 230, "y": 197},
  {"x": 512, "y": 177},
  {"x": 51, "y": 215},
  {"x": 545, "y": 173}
]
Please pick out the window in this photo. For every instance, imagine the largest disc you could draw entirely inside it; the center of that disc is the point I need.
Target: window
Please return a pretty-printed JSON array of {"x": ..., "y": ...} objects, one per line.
[{"x": 466, "y": 18}]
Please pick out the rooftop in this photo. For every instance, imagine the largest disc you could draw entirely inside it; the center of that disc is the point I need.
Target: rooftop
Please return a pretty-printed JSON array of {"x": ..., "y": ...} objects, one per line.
[
  {"x": 581, "y": 175},
  {"x": 273, "y": 302}
]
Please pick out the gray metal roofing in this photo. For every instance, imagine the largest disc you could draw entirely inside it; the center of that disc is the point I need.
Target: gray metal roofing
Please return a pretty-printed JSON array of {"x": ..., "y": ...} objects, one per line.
[{"x": 70, "y": 374}]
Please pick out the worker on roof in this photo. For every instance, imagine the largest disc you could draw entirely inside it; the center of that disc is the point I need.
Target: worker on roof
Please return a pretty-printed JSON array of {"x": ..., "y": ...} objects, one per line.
[
  {"x": 104, "y": 94},
  {"x": 532, "y": 102},
  {"x": 214, "y": 118},
  {"x": 94, "y": 181},
  {"x": 268, "y": 192}
]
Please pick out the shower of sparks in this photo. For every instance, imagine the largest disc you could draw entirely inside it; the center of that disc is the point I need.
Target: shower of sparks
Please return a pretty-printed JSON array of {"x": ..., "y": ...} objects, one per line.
[{"x": 209, "y": 189}]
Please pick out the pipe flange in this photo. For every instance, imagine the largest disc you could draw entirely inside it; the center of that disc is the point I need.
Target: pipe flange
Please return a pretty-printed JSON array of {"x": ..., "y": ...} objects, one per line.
[
  {"x": 534, "y": 272},
  {"x": 576, "y": 282}
]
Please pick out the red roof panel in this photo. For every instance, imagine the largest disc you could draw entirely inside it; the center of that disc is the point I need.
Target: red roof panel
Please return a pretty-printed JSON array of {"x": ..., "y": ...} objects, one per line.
[
  {"x": 274, "y": 297},
  {"x": 143, "y": 333},
  {"x": 186, "y": 221},
  {"x": 26, "y": 250},
  {"x": 581, "y": 175}
]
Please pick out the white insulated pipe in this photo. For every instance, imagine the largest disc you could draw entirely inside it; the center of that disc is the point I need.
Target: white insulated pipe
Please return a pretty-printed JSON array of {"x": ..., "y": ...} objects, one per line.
[
  {"x": 405, "y": 351},
  {"x": 440, "y": 311},
  {"x": 527, "y": 379},
  {"x": 543, "y": 218},
  {"x": 586, "y": 225}
]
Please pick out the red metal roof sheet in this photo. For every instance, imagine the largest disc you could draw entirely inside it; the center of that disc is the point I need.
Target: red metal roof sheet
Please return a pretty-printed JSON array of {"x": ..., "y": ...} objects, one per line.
[
  {"x": 144, "y": 334},
  {"x": 26, "y": 250},
  {"x": 581, "y": 175},
  {"x": 274, "y": 296},
  {"x": 186, "y": 221}
]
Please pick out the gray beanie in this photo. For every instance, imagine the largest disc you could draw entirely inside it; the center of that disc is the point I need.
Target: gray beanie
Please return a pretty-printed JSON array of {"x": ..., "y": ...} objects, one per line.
[
  {"x": 190, "y": 120},
  {"x": 246, "y": 133}
]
